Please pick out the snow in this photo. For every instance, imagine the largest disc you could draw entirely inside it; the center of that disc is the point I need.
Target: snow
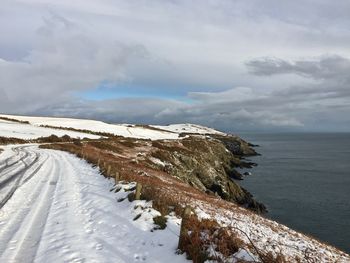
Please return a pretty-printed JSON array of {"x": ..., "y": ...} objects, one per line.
[
  {"x": 268, "y": 235},
  {"x": 169, "y": 132},
  {"x": 125, "y": 130},
  {"x": 158, "y": 161},
  {"x": 27, "y": 131},
  {"x": 188, "y": 128},
  {"x": 4, "y": 154},
  {"x": 246, "y": 255},
  {"x": 66, "y": 213}
]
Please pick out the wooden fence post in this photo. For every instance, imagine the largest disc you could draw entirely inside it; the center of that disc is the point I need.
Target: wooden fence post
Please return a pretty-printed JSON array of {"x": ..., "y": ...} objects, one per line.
[
  {"x": 109, "y": 170},
  {"x": 116, "y": 177},
  {"x": 138, "y": 191},
  {"x": 183, "y": 230}
]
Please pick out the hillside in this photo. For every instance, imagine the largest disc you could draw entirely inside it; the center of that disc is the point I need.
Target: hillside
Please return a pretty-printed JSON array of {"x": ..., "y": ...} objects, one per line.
[
  {"x": 177, "y": 165},
  {"x": 125, "y": 130}
]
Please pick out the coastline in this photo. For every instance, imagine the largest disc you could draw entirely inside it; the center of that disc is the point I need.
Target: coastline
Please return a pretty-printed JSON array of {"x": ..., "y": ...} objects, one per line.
[{"x": 293, "y": 179}]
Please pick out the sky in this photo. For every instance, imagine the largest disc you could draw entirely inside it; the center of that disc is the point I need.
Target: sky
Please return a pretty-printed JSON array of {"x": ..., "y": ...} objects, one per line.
[{"x": 236, "y": 65}]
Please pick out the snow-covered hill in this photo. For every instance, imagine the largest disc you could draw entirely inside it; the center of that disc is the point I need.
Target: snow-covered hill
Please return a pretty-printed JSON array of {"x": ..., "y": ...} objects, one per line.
[
  {"x": 28, "y": 131},
  {"x": 33, "y": 129},
  {"x": 188, "y": 128}
]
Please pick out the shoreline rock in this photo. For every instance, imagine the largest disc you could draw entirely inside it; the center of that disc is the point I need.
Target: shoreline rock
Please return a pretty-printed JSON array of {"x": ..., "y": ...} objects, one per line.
[{"x": 210, "y": 163}]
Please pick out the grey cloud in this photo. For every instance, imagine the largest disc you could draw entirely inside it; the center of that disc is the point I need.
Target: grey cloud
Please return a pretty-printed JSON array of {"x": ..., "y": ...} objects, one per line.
[
  {"x": 325, "y": 68},
  {"x": 213, "y": 109},
  {"x": 128, "y": 110},
  {"x": 269, "y": 66},
  {"x": 329, "y": 73},
  {"x": 223, "y": 114}
]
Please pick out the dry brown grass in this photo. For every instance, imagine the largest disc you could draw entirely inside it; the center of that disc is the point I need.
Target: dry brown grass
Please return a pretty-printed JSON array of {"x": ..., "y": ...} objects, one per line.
[
  {"x": 104, "y": 134},
  {"x": 206, "y": 235},
  {"x": 14, "y": 120},
  {"x": 54, "y": 138},
  {"x": 152, "y": 128},
  {"x": 9, "y": 140},
  {"x": 108, "y": 146},
  {"x": 170, "y": 146},
  {"x": 49, "y": 139},
  {"x": 128, "y": 142},
  {"x": 170, "y": 194}
]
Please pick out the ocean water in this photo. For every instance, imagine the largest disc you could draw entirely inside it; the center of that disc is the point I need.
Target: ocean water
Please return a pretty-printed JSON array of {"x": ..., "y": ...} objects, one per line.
[{"x": 304, "y": 180}]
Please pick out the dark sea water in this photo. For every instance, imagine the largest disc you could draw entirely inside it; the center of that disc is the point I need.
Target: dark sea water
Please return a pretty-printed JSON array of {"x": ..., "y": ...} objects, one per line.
[{"x": 304, "y": 180}]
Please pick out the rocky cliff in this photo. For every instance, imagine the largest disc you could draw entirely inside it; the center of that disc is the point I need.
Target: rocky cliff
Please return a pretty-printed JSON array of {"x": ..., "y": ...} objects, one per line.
[{"x": 208, "y": 163}]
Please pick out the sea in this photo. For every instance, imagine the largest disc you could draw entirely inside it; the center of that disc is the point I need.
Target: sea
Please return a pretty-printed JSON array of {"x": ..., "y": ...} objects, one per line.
[{"x": 304, "y": 180}]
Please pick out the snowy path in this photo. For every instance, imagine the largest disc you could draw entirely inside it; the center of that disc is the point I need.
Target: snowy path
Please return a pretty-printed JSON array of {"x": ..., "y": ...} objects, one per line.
[
  {"x": 13, "y": 170},
  {"x": 61, "y": 210}
]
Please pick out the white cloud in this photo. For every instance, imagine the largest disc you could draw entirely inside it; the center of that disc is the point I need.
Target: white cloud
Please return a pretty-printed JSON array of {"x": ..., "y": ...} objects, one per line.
[{"x": 65, "y": 60}]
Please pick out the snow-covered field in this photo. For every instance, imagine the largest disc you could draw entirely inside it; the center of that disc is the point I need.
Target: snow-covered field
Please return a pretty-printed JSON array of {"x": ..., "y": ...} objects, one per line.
[
  {"x": 27, "y": 131},
  {"x": 66, "y": 213},
  {"x": 188, "y": 128},
  {"x": 31, "y": 131}
]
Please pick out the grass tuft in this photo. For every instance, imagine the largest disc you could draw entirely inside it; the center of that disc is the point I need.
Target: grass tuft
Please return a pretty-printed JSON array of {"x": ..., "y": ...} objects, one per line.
[{"x": 160, "y": 221}]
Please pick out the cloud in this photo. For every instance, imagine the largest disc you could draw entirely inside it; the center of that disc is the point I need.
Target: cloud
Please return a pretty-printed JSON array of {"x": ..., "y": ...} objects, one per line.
[
  {"x": 330, "y": 74},
  {"x": 325, "y": 68},
  {"x": 127, "y": 110},
  {"x": 212, "y": 109},
  {"x": 235, "y": 65},
  {"x": 240, "y": 108},
  {"x": 65, "y": 61}
]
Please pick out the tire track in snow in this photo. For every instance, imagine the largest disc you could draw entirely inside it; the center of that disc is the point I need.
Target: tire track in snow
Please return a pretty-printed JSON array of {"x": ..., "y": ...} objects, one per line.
[
  {"x": 31, "y": 238},
  {"x": 19, "y": 182},
  {"x": 36, "y": 224},
  {"x": 66, "y": 213},
  {"x": 11, "y": 182},
  {"x": 21, "y": 233},
  {"x": 5, "y": 162},
  {"x": 7, "y": 169},
  {"x": 18, "y": 151},
  {"x": 17, "y": 173},
  {"x": 21, "y": 230},
  {"x": 70, "y": 202}
]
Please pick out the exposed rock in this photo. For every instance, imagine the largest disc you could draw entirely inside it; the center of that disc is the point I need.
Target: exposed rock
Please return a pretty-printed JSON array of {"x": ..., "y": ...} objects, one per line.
[
  {"x": 236, "y": 145},
  {"x": 209, "y": 164},
  {"x": 244, "y": 164}
]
